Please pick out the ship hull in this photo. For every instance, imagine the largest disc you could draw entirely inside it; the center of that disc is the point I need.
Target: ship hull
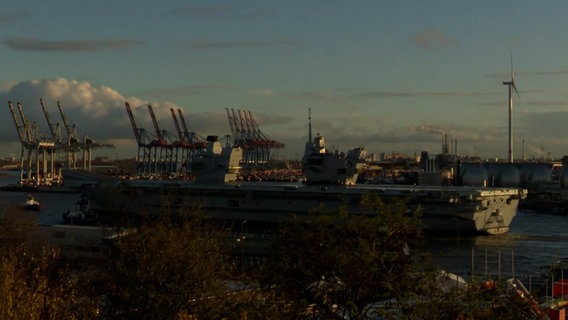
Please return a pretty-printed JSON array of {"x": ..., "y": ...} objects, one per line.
[{"x": 445, "y": 209}]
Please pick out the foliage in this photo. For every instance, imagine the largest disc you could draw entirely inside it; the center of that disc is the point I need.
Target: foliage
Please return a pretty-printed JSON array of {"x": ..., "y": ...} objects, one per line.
[
  {"x": 36, "y": 282},
  {"x": 347, "y": 260},
  {"x": 164, "y": 268},
  {"x": 327, "y": 265},
  {"x": 35, "y": 285}
]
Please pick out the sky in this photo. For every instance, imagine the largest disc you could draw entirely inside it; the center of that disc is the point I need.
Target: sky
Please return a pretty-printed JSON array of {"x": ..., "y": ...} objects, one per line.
[{"x": 390, "y": 76}]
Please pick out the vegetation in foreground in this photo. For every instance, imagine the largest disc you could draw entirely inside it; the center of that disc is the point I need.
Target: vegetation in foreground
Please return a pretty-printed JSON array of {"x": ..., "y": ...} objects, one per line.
[{"x": 326, "y": 266}]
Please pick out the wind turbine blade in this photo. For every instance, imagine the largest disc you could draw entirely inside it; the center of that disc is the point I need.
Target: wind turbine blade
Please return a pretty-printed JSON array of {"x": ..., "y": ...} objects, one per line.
[
  {"x": 513, "y": 72},
  {"x": 515, "y": 88},
  {"x": 511, "y": 61}
]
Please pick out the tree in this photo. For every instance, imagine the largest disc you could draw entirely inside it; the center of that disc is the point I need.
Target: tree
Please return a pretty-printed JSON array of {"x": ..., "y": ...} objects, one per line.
[
  {"x": 35, "y": 284},
  {"x": 346, "y": 260},
  {"x": 166, "y": 267},
  {"x": 334, "y": 265}
]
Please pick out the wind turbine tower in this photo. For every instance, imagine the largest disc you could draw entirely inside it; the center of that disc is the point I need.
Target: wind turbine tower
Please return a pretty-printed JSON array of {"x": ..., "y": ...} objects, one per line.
[{"x": 512, "y": 86}]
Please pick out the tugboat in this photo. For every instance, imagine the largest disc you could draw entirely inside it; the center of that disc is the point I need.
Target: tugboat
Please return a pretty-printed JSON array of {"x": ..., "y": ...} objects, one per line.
[{"x": 31, "y": 203}]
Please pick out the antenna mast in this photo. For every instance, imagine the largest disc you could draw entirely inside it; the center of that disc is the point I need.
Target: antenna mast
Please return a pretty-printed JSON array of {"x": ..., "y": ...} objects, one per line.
[{"x": 309, "y": 125}]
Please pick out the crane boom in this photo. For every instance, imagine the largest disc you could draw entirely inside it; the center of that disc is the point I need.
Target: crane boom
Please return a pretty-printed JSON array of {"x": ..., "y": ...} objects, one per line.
[
  {"x": 182, "y": 120},
  {"x": 19, "y": 128},
  {"x": 50, "y": 124},
  {"x": 70, "y": 129},
  {"x": 159, "y": 134},
  {"x": 176, "y": 124},
  {"x": 255, "y": 129},
  {"x": 133, "y": 123},
  {"x": 245, "y": 124},
  {"x": 190, "y": 137},
  {"x": 231, "y": 123},
  {"x": 238, "y": 126},
  {"x": 29, "y": 136}
]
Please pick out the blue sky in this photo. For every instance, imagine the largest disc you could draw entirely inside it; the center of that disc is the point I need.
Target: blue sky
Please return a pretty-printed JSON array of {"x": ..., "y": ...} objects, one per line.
[{"x": 392, "y": 76}]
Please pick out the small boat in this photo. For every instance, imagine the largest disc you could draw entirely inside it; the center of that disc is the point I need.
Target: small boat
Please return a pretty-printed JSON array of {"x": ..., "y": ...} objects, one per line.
[{"x": 31, "y": 203}]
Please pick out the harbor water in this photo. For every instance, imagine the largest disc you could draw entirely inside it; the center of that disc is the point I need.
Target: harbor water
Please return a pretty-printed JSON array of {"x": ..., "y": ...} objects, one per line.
[{"x": 534, "y": 241}]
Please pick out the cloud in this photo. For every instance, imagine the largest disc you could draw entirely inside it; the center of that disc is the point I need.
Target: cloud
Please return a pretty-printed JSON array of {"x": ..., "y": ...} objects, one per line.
[
  {"x": 99, "y": 112},
  {"x": 32, "y": 44},
  {"x": 205, "y": 11},
  {"x": 10, "y": 18},
  {"x": 433, "y": 39},
  {"x": 182, "y": 91},
  {"x": 521, "y": 101},
  {"x": 204, "y": 44},
  {"x": 263, "y": 92},
  {"x": 394, "y": 136},
  {"x": 322, "y": 96},
  {"x": 545, "y": 123},
  {"x": 343, "y": 95},
  {"x": 288, "y": 42},
  {"x": 547, "y": 103},
  {"x": 544, "y": 73},
  {"x": 331, "y": 96},
  {"x": 528, "y": 74},
  {"x": 85, "y": 105},
  {"x": 417, "y": 94},
  {"x": 220, "y": 12}
]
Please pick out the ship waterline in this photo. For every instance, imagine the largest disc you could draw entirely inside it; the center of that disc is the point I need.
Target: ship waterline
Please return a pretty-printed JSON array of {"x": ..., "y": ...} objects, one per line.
[{"x": 443, "y": 209}]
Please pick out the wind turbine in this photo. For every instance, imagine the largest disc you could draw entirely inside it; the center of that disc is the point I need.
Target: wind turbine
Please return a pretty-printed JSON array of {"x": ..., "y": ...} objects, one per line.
[{"x": 512, "y": 86}]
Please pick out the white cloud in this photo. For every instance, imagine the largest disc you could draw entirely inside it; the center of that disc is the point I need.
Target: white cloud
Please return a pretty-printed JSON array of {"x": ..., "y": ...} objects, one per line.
[
  {"x": 433, "y": 39},
  {"x": 263, "y": 92},
  {"x": 97, "y": 111}
]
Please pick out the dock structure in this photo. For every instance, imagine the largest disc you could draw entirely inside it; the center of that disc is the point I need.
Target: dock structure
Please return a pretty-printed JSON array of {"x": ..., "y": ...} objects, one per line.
[
  {"x": 189, "y": 145},
  {"x": 162, "y": 153},
  {"x": 43, "y": 157},
  {"x": 75, "y": 144},
  {"x": 257, "y": 147},
  {"x": 38, "y": 153}
]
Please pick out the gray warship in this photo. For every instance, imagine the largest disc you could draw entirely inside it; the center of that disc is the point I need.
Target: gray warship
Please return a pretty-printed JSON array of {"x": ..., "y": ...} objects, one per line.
[{"x": 330, "y": 184}]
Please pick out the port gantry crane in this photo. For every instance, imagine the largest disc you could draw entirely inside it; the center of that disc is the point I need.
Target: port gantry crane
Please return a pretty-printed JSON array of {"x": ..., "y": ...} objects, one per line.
[
  {"x": 38, "y": 166},
  {"x": 73, "y": 144},
  {"x": 155, "y": 153},
  {"x": 181, "y": 146},
  {"x": 190, "y": 145},
  {"x": 257, "y": 147},
  {"x": 197, "y": 143},
  {"x": 167, "y": 162},
  {"x": 165, "y": 153},
  {"x": 40, "y": 161},
  {"x": 146, "y": 152},
  {"x": 53, "y": 128}
]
